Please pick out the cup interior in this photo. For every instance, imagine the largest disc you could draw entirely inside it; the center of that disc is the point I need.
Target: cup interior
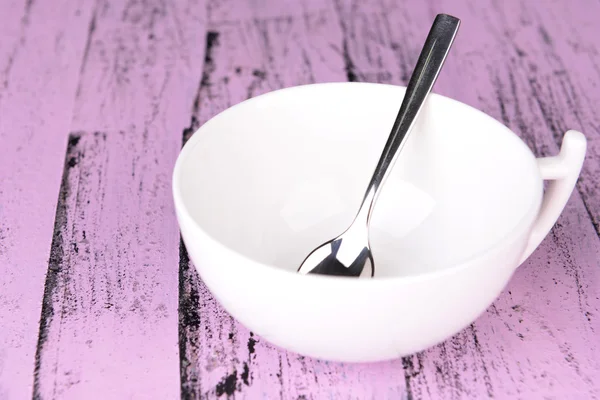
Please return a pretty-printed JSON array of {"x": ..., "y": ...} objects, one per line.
[{"x": 273, "y": 177}]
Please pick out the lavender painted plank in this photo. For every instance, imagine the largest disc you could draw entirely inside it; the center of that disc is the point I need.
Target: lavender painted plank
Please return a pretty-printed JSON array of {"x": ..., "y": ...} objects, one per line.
[
  {"x": 540, "y": 338},
  {"x": 537, "y": 341},
  {"x": 40, "y": 56},
  {"x": 109, "y": 320}
]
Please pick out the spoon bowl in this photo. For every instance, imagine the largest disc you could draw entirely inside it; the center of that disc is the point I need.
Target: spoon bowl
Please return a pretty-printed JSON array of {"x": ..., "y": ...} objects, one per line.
[{"x": 347, "y": 255}]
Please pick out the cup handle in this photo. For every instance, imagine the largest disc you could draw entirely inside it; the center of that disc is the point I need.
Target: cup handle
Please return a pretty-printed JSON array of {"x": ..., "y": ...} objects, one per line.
[{"x": 563, "y": 171}]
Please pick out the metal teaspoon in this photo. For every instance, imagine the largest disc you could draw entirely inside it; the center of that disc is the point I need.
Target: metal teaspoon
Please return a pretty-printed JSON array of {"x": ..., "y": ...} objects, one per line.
[{"x": 349, "y": 254}]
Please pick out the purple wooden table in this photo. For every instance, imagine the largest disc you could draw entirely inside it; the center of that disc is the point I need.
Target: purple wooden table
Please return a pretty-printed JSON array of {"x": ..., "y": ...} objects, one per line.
[{"x": 97, "y": 296}]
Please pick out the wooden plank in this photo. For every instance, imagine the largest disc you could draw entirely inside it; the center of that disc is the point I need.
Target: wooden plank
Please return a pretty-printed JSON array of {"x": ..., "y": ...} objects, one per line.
[
  {"x": 250, "y": 51},
  {"x": 539, "y": 339},
  {"x": 41, "y": 50},
  {"x": 109, "y": 320}
]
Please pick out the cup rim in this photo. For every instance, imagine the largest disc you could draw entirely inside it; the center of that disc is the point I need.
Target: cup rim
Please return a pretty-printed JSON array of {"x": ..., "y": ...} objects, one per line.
[{"x": 525, "y": 223}]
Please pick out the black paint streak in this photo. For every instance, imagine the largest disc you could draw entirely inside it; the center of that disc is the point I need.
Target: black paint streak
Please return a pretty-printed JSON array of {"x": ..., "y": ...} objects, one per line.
[
  {"x": 91, "y": 30},
  {"x": 502, "y": 102},
  {"x": 57, "y": 258},
  {"x": 486, "y": 375},
  {"x": 280, "y": 377},
  {"x": 190, "y": 321},
  {"x": 189, "y": 130},
  {"x": 212, "y": 41},
  {"x": 412, "y": 372},
  {"x": 245, "y": 374},
  {"x": 454, "y": 357},
  {"x": 251, "y": 344},
  {"x": 595, "y": 222},
  {"x": 227, "y": 385},
  {"x": 516, "y": 120},
  {"x": 19, "y": 44},
  {"x": 349, "y": 66},
  {"x": 72, "y": 162},
  {"x": 408, "y": 367},
  {"x": 259, "y": 79},
  {"x": 570, "y": 265},
  {"x": 545, "y": 36},
  {"x": 519, "y": 118},
  {"x": 443, "y": 368},
  {"x": 28, "y": 5},
  {"x": 398, "y": 45},
  {"x": 189, "y": 315},
  {"x": 308, "y": 66},
  {"x": 189, "y": 324},
  {"x": 259, "y": 74}
]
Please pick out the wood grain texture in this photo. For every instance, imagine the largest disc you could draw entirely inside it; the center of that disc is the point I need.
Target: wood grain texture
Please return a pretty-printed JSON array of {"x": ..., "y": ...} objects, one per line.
[
  {"x": 41, "y": 50},
  {"x": 103, "y": 93},
  {"x": 109, "y": 320}
]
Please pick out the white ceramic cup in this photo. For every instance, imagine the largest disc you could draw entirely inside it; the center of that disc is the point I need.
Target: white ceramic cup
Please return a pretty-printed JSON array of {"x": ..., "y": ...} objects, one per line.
[{"x": 261, "y": 184}]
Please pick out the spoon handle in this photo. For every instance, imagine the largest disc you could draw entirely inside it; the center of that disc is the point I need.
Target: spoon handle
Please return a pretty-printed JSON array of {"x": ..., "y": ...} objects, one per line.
[{"x": 432, "y": 57}]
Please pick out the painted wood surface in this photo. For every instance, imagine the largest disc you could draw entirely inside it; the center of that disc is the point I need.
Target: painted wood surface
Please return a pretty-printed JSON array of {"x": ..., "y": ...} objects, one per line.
[
  {"x": 109, "y": 318},
  {"x": 41, "y": 48},
  {"x": 104, "y": 93}
]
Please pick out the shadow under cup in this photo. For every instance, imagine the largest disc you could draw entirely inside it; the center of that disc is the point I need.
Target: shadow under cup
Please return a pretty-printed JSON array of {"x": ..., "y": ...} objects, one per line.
[{"x": 274, "y": 177}]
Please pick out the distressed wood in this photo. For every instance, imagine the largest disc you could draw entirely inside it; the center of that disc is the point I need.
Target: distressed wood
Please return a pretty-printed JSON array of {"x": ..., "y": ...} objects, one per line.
[
  {"x": 109, "y": 320},
  {"x": 41, "y": 50},
  {"x": 133, "y": 79}
]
